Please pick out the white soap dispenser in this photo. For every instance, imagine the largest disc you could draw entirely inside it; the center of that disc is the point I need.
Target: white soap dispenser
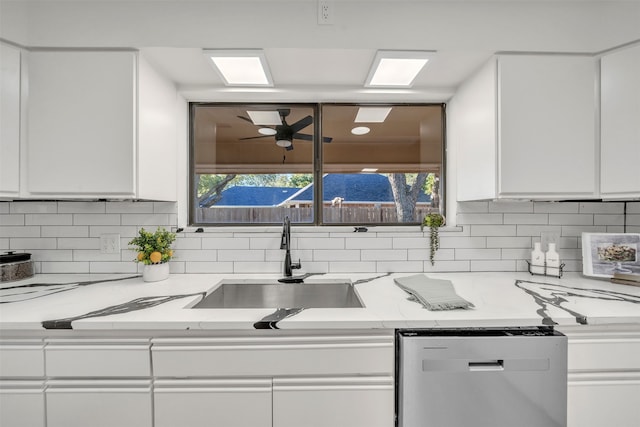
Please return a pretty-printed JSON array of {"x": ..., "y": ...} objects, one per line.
[
  {"x": 537, "y": 259},
  {"x": 552, "y": 259}
]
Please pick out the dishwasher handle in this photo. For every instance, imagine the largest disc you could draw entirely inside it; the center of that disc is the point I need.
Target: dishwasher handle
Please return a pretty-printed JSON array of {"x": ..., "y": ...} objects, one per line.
[{"x": 486, "y": 365}]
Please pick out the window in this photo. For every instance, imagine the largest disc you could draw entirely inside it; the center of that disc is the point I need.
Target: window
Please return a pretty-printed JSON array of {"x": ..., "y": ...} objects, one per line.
[{"x": 318, "y": 164}]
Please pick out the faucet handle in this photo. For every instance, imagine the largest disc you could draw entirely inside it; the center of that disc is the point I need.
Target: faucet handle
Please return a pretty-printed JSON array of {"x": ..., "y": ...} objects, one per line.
[{"x": 296, "y": 265}]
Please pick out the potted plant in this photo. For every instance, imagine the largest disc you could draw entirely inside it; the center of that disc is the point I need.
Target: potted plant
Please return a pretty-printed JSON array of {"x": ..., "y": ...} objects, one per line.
[
  {"x": 154, "y": 251},
  {"x": 433, "y": 221}
]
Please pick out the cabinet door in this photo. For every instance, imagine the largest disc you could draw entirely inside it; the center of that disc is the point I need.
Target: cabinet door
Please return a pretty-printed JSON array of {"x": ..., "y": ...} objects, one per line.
[
  {"x": 22, "y": 358},
  {"x": 22, "y": 404},
  {"x": 620, "y": 124},
  {"x": 547, "y": 126},
  {"x": 99, "y": 403},
  {"x": 603, "y": 400},
  {"x": 81, "y": 128},
  {"x": 9, "y": 120},
  {"x": 204, "y": 403},
  {"x": 333, "y": 402}
]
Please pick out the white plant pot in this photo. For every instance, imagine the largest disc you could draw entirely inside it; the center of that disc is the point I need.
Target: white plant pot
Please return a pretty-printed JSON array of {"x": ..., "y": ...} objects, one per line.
[{"x": 155, "y": 272}]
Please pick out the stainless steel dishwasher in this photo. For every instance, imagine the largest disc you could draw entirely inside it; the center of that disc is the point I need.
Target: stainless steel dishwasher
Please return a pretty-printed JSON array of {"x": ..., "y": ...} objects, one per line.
[{"x": 481, "y": 377}]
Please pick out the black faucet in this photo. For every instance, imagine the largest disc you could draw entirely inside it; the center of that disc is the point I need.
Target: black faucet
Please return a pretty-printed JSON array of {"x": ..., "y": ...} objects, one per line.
[{"x": 285, "y": 243}]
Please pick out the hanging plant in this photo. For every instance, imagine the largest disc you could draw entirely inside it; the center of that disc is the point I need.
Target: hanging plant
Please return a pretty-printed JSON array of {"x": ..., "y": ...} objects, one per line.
[{"x": 433, "y": 221}]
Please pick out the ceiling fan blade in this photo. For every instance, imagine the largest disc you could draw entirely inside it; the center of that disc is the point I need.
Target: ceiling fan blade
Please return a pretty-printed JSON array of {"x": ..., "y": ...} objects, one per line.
[
  {"x": 301, "y": 124},
  {"x": 310, "y": 137},
  {"x": 255, "y": 137},
  {"x": 303, "y": 136}
]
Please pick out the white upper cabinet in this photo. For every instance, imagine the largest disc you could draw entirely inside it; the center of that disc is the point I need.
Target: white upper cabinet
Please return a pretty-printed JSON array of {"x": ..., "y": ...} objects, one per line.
[
  {"x": 10, "y": 58},
  {"x": 100, "y": 125},
  {"x": 620, "y": 124},
  {"x": 524, "y": 127}
]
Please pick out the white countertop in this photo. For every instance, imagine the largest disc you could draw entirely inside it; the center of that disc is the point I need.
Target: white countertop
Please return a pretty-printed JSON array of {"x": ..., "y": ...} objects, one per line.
[{"x": 500, "y": 299}]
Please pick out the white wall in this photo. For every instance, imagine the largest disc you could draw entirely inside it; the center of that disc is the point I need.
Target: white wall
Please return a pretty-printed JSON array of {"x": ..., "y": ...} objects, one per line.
[
  {"x": 490, "y": 236},
  {"x": 466, "y": 25}
]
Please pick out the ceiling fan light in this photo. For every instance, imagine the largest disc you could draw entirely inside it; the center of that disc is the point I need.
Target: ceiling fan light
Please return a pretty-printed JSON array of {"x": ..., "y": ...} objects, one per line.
[
  {"x": 267, "y": 131},
  {"x": 284, "y": 143},
  {"x": 396, "y": 68},
  {"x": 241, "y": 67}
]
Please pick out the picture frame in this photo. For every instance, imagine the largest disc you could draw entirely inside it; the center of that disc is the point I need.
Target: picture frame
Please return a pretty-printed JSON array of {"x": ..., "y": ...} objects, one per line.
[{"x": 605, "y": 254}]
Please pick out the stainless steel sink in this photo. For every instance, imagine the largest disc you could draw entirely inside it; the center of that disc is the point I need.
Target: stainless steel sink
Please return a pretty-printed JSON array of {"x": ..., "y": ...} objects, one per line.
[{"x": 272, "y": 294}]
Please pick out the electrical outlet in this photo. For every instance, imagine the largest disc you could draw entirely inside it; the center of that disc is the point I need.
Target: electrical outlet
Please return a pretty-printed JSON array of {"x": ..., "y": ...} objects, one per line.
[
  {"x": 325, "y": 12},
  {"x": 547, "y": 237},
  {"x": 110, "y": 243}
]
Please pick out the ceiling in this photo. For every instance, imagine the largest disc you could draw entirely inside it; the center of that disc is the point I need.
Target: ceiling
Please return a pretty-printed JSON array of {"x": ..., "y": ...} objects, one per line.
[{"x": 314, "y": 74}]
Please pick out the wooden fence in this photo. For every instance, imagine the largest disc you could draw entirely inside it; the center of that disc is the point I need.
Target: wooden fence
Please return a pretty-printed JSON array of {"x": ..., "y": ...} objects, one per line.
[{"x": 330, "y": 215}]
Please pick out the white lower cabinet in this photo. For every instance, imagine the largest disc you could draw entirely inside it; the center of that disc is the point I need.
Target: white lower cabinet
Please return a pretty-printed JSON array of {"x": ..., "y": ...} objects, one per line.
[
  {"x": 22, "y": 404},
  {"x": 604, "y": 376},
  {"x": 333, "y": 402},
  {"x": 200, "y": 403},
  {"x": 95, "y": 403},
  {"x": 22, "y": 383},
  {"x": 279, "y": 380}
]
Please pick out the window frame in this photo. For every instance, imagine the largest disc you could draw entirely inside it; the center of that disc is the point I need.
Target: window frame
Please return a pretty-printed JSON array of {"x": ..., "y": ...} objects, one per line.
[{"x": 317, "y": 160}]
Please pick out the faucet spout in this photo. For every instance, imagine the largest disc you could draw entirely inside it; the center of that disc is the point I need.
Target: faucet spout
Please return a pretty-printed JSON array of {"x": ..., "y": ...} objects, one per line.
[{"x": 285, "y": 243}]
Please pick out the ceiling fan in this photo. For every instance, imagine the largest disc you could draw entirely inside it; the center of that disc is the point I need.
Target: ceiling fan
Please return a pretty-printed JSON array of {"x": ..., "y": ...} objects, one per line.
[{"x": 286, "y": 133}]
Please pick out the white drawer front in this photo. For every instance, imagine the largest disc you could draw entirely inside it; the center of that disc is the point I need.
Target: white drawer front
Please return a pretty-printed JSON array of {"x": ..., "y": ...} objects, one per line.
[
  {"x": 99, "y": 404},
  {"x": 273, "y": 356},
  {"x": 229, "y": 403},
  {"x": 21, "y": 359},
  {"x": 22, "y": 404},
  {"x": 604, "y": 354},
  {"x": 598, "y": 402},
  {"x": 333, "y": 402},
  {"x": 98, "y": 360}
]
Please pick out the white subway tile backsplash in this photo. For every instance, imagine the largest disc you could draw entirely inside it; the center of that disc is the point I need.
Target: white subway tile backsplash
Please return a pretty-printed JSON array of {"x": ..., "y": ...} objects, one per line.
[
  {"x": 112, "y": 267},
  {"x": 399, "y": 266},
  {"x": 511, "y": 206},
  {"x": 571, "y": 219},
  {"x": 493, "y": 230},
  {"x": 462, "y": 242},
  {"x": 369, "y": 243},
  {"x": 602, "y": 208},
  {"x": 129, "y": 207},
  {"x": 537, "y": 218},
  {"x": 352, "y": 267},
  {"x": 33, "y": 243},
  {"x": 48, "y": 219},
  {"x": 502, "y": 265},
  {"x": 78, "y": 243},
  {"x": 96, "y": 219},
  {"x": 489, "y": 236},
  {"x": 608, "y": 219},
  {"x": 208, "y": 267},
  {"x": 64, "y": 267},
  {"x": 20, "y": 231},
  {"x": 343, "y": 255},
  {"x": 470, "y": 219},
  {"x": 251, "y": 255},
  {"x": 473, "y": 207},
  {"x": 382, "y": 255},
  {"x": 149, "y": 221},
  {"x": 537, "y": 230},
  {"x": 34, "y": 207},
  {"x": 556, "y": 207},
  {"x": 12, "y": 219},
  {"x": 64, "y": 231},
  {"x": 474, "y": 254},
  {"x": 225, "y": 243},
  {"x": 82, "y": 207}
]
